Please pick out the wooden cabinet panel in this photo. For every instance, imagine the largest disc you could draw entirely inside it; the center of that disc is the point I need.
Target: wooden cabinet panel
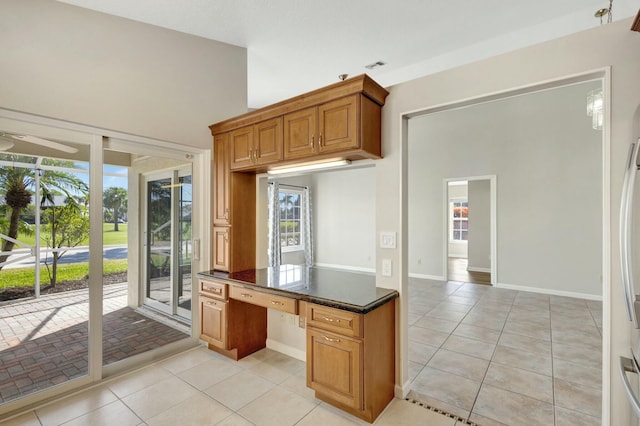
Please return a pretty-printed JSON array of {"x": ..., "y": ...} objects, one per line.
[
  {"x": 338, "y": 125},
  {"x": 221, "y": 248},
  {"x": 241, "y": 146},
  {"x": 268, "y": 141},
  {"x": 213, "y": 321},
  {"x": 300, "y": 129},
  {"x": 285, "y": 304},
  {"x": 334, "y": 367},
  {"x": 221, "y": 179}
]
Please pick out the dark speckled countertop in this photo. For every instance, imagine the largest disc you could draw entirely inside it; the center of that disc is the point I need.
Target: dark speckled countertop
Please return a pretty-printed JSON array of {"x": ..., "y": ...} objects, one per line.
[{"x": 352, "y": 291}]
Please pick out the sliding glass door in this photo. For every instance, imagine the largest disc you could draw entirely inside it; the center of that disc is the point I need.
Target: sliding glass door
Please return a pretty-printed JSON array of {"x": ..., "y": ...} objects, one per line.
[{"x": 168, "y": 241}]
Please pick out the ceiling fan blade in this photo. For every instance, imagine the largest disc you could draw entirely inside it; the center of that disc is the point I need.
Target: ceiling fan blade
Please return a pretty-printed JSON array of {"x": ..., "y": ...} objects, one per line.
[
  {"x": 44, "y": 142},
  {"x": 4, "y": 145}
]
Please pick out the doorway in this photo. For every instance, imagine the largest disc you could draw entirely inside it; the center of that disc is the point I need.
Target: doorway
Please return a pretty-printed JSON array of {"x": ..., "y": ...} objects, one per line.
[
  {"x": 167, "y": 242},
  {"x": 470, "y": 230}
]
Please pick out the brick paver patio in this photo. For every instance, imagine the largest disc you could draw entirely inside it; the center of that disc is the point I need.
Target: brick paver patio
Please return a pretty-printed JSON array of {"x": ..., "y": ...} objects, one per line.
[{"x": 44, "y": 342}]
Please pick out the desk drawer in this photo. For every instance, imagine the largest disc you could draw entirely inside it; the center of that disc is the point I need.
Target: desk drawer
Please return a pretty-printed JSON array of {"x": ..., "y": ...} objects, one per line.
[
  {"x": 267, "y": 300},
  {"x": 336, "y": 320},
  {"x": 214, "y": 289}
]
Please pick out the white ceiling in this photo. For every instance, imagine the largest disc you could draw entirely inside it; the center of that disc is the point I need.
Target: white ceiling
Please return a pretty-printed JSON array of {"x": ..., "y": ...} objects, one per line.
[{"x": 294, "y": 46}]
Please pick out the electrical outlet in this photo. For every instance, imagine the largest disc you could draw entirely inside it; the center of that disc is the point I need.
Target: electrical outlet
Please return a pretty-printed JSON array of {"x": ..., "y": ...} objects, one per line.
[{"x": 386, "y": 267}]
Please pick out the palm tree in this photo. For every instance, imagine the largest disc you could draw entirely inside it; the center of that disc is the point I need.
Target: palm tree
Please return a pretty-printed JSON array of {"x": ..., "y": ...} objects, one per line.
[
  {"x": 16, "y": 183},
  {"x": 115, "y": 199}
]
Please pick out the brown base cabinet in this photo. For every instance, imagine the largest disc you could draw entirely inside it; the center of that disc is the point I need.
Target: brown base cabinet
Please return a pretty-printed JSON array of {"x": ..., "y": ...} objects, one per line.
[
  {"x": 213, "y": 321},
  {"x": 351, "y": 358}
]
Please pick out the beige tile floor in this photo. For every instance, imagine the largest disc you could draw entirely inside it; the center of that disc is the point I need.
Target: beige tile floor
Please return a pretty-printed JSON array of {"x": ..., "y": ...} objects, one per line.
[
  {"x": 497, "y": 356},
  {"x": 200, "y": 387}
]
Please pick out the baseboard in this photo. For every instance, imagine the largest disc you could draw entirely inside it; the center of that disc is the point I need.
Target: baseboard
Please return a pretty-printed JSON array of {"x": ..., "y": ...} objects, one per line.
[
  {"x": 550, "y": 291},
  {"x": 475, "y": 269},
  {"x": 287, "y": 350},
  {"x": 401, "y": 391},
  {"x": 345, "y": 268},
  {"x": 426, "y": 277}
]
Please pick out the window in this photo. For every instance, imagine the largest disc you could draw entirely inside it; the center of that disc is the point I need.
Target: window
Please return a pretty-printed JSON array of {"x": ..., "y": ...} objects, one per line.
[
  {"x": 459, "y": 218},
  {"x": 290, "y": 223}
]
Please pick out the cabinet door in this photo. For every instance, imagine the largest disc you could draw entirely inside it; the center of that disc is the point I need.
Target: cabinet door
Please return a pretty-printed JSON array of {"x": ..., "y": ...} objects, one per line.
[
  {"x": 334, "y": 364},
  {"x": 213, "y": 321},
  {"x": 221, "y": 179},
  {"x": 241, "y": 146},
  {"x": 338, "y": 125},
  {"x": 221, "y": 248},
  {"x": 300, "y": 136},
  {"x": 268, "y": 141}
]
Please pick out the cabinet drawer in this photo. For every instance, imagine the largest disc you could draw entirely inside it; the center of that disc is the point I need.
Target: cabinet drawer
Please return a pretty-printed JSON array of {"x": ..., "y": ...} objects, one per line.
[
  {"x": 214, "y": 289},
  {"x": 335, "y": 320},
  {"x": 267, "y": 300}
]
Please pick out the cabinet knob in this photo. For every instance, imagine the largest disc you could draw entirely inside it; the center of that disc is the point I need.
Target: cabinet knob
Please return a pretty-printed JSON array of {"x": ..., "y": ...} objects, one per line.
[{"x": 329, "y": 339}]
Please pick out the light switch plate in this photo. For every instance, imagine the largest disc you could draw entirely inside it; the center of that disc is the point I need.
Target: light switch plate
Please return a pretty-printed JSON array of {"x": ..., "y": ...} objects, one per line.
[{"x": 387, "y": 240}]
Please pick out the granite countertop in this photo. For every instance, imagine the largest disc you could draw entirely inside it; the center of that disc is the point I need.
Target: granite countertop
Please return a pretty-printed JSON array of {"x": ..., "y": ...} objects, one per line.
[{"x": 351, "y": 291}]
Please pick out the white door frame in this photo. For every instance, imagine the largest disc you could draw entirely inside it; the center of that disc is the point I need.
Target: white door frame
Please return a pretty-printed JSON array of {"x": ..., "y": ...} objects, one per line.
[{"x": 493, "y": 223}]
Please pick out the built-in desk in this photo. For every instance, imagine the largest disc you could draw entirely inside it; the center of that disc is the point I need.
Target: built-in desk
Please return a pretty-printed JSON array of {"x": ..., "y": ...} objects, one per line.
[{"x": 350, "y": 327}]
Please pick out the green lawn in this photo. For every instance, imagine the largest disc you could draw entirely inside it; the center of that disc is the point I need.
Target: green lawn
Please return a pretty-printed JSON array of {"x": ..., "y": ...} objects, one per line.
[
  {"x": 25, "y": 277},
  {"x": 109, "y": 236}
]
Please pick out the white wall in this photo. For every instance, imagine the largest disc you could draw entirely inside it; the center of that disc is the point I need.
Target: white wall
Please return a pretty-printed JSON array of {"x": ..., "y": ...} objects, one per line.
[
  {"x": 479, "y": 244},
  {"x": 344, "y": 215},
  {"x": 610, "y": 45},
  {"x": 547, "y": 159},
  {"x": 74, "y": 64}
]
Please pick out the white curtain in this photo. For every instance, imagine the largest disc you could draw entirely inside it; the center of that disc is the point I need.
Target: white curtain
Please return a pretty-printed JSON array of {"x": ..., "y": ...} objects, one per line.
[
  {"x": 307, "y": 234},
  {"x": 273, "y": 251}
]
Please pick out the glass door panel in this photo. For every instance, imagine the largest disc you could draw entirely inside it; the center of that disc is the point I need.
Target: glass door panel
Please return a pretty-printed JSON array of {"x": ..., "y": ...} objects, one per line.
[
  {"x": 169, "y": 242},
  {"x": 185, "y": 204},
  {"x": 159, "y": 243}
]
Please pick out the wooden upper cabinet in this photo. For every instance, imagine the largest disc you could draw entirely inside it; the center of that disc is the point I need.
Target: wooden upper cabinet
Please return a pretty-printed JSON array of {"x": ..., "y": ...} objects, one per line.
[
  {"x": 256, "y": 144},
  {"x": 329, "y": 128},
  {"x": 221, "y": 180},
  {"x": 338, "y": 125},
  {"x": 299, "y": 133},
  {"x": 338, "y": 121},
  {"x": 241, "y": 147},
  {"x": 268, "y": 141}
]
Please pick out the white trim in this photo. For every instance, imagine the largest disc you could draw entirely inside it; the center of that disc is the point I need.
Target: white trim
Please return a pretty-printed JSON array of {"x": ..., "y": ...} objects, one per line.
[
  {"x": 345, "y": 267},
  {"x": 474, "y": 269},
  {"x": 550, "y": 291},
  {"x": 427, "y": 277},
  {"x": 401, "y": 391},
  {"x": 606, "y": 248},
  {"x": 287, "y": 350}
]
